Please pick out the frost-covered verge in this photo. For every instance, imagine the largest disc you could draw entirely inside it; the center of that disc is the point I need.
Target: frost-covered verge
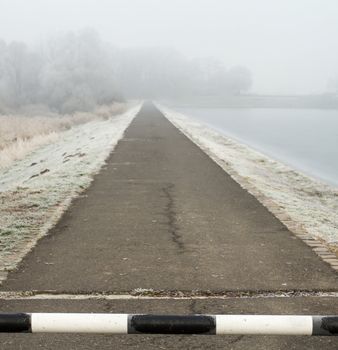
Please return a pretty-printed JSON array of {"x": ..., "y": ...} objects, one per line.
[
  {"x": 35, "y": 126},
  {"x": 295, "y": 197},
  {"x": 36, "y": 190}
]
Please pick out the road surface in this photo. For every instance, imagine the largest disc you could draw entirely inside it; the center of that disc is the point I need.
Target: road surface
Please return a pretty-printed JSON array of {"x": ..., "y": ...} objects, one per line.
[{"x": 162, "y": 216}]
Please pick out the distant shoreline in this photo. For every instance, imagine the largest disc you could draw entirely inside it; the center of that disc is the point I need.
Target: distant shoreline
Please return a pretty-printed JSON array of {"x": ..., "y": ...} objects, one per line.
[{"x": 324, "y": 101}]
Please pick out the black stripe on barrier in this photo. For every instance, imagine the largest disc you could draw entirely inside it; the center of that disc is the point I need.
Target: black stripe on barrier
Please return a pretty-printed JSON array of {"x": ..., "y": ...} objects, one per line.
[
  {"x": 15, "y": 323},
  {"x": 173, "y": 324},
  {"x": 325, "y": 325}
]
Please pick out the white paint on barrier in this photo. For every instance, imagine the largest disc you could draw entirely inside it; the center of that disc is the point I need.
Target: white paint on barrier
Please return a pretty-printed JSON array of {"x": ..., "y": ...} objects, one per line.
[
  {"x": 264, "y": 324},
  {"x": 79, "y": 323}
]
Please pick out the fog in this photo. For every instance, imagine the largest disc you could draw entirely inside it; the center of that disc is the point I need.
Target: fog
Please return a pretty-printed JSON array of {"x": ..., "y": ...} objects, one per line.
[{"x": 77, "y": 53}]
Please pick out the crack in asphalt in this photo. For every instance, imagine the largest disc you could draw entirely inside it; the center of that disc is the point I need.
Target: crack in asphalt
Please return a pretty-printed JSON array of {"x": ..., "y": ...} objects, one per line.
[{"x": 171, "y": 216}]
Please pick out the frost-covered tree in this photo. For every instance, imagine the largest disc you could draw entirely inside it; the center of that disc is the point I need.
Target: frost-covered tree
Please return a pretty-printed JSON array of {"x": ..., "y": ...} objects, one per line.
[
  {"x": 77, "y": 73},
  {"x": 19, "y": 74},
  {"x": 71, "y": 72}
]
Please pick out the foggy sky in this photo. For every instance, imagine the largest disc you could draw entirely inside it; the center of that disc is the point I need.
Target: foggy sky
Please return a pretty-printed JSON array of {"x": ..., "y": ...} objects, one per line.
[{"x": 289, "y": 45}]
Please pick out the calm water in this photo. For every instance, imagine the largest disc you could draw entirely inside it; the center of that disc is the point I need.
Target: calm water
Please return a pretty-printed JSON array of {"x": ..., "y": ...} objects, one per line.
[{"x": 306, "y": 139}]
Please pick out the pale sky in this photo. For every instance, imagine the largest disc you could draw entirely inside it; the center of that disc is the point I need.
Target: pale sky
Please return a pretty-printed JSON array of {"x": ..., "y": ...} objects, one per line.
[{"x": 290, "y": 46}]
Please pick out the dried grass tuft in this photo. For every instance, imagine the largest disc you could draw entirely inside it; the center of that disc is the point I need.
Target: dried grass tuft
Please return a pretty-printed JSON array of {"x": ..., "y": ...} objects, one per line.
[{"x": 22, "y": 133}]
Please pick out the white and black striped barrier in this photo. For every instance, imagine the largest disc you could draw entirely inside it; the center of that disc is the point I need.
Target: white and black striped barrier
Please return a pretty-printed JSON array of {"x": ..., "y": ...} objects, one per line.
[{"x": 168, "y": 324}]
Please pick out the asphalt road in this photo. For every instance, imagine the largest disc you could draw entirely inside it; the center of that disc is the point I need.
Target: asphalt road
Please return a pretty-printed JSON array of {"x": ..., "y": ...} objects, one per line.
[{"x": 162, "y": 215}]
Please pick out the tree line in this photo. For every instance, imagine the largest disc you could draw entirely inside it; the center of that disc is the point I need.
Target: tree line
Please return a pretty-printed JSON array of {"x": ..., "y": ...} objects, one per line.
[{"x": 77, "y": 71}]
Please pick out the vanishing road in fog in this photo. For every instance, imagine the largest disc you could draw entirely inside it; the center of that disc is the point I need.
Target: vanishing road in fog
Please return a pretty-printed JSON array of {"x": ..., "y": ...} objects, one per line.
[{"x": 162, "y": 216}]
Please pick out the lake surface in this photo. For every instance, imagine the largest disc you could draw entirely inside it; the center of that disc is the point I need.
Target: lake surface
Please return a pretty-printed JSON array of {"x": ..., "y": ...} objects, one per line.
[{"x": 305, "y": 139}]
